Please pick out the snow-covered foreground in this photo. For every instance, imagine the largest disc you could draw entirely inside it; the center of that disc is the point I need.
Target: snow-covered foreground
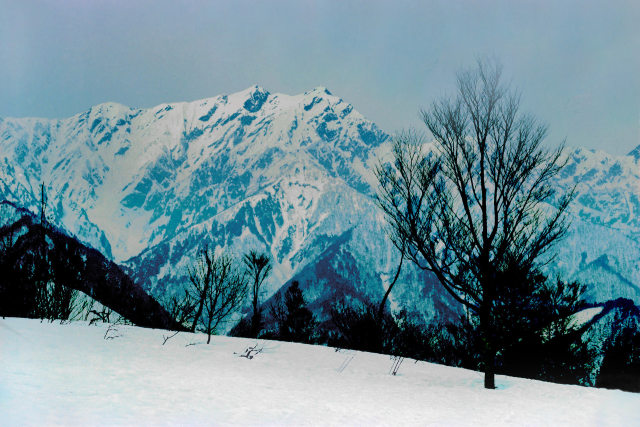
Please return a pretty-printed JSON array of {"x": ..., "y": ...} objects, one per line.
[{"x": 52, "y": 374}]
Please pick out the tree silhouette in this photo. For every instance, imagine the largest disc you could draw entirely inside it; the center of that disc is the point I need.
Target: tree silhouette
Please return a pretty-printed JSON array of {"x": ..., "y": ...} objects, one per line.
[
  {"x": 298, "y": 323},
  {"x": 217, "y": 288},
  {"x": 476, "y": 202},
  {"x": 258, "y": 267}
]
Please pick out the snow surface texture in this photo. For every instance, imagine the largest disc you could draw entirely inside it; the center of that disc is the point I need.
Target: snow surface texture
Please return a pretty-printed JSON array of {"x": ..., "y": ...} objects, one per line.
[
  {"x": 52, "y": 374},
  {"x": 291, "y": 175}
]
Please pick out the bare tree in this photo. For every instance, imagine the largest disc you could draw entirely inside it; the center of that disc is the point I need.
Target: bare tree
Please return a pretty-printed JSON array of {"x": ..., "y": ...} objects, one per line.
[
  {"x": 476, "y": 202},
  {"x": 217, "y": 287},
  {"x": 182, "y": 309},
  {"x": 100, "y": 315},
  {"x": 258, "y": 268},
  {"x": 200, "y": 279}
]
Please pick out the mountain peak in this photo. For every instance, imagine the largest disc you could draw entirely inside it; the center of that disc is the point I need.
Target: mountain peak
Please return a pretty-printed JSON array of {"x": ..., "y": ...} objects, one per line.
[
  {"x": 255, "y": 98},
  {"x": 254, "y": 89},
  {"x": 319, "y": 90},
  {"x": 107, "y": 107},
  {"x": 635, "y": 153}
]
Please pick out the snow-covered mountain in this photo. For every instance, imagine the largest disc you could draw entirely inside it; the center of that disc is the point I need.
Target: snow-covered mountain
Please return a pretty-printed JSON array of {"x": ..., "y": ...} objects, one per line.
[
  {"x": 291, "y": 175},
  {"x": 603, "y": 246},
  {"x": 143, "y": 175}
]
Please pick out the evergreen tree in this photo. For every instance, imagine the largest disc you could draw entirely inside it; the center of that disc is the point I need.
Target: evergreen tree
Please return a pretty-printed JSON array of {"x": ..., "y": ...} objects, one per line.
[
  {"x": 533, "y": 332},
  {"x": 360, "y": 328},
  {"x": 621, "y": 364},
  {"x": 298, "y": 324}
]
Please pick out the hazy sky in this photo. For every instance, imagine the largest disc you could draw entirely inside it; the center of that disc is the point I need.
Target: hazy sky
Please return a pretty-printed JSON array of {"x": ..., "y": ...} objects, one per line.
[{"x": 577, "y": 63}]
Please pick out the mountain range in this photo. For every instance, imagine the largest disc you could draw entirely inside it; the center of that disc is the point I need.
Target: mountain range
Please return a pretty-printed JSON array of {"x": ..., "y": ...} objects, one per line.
[{"x": 288, "y": 175}]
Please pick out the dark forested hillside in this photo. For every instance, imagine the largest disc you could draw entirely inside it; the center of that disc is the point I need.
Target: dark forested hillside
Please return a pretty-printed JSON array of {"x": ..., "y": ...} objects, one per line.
[{"x": 26, "y": 244}]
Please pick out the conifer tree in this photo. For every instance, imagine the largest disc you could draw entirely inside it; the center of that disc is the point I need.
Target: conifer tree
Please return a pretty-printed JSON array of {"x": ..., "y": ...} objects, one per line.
[{"x": 298, "y": 324}]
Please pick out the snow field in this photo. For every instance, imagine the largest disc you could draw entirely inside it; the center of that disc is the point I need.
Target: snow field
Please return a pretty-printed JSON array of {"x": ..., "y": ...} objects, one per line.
[{"x": 52, "y": 374}]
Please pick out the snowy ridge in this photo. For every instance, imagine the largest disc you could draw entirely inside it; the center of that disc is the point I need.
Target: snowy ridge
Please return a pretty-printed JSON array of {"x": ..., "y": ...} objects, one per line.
[{"x": 291, "y": 175}]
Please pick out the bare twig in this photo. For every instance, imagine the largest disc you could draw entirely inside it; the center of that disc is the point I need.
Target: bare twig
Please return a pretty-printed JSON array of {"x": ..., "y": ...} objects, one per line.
[
  {"x": 167, "y": 338},
  {"x": 111, "y": 333},
  {"x": 251, "y": 351}
]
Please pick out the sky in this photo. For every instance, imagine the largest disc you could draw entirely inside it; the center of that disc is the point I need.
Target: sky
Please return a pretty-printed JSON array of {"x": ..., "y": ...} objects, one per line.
[{"x": 576, "y": 63}]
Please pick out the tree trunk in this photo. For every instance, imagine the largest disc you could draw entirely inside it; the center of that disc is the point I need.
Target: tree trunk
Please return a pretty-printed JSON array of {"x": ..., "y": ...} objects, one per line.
[
  {"x": 487, "y": 329},
  {"x": 488, "y": 349},
  {"x": 256, "y": 318},
  {"x": 203, "y": 297},
  {"x": 490, "y": 369},
  {"x": 393, "y": 282},
  {"x": 196, "y": 318},
  {"x": 209, "y": 321}
]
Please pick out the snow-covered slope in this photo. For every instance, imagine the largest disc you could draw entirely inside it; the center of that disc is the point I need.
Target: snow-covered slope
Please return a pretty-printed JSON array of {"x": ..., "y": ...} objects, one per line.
[
  {"x": 290, "y": 175},
  {"x": 75, "y": 374}
]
